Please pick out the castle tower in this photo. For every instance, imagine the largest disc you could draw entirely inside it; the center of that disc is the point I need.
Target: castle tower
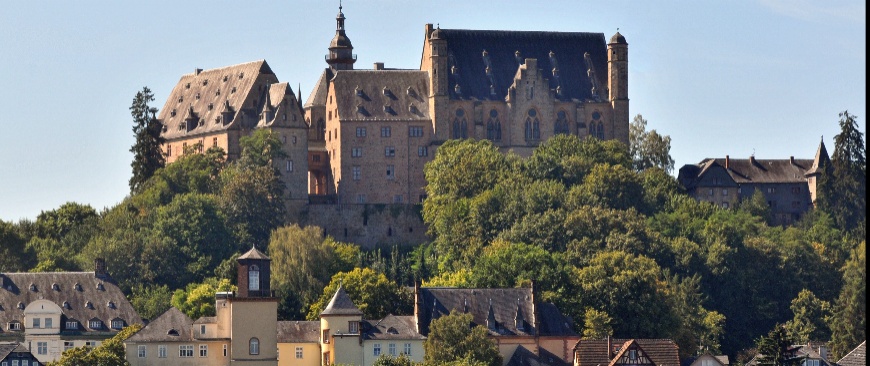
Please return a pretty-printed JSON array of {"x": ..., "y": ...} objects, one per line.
[
  {"x": 438, "y": 55},
  {"x": 340, "y": 55},
  {"x": 253, "y": 274},
  {"x": 617, "y": 85},
  {"x": 250, "y": 317}
]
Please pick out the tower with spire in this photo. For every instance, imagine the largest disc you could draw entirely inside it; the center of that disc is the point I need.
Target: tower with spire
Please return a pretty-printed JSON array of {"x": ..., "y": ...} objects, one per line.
[{"x": 340, "y": 55}]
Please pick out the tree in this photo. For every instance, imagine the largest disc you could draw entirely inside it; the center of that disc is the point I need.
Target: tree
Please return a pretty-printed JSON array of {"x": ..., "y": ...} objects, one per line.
[
  {"x": 197, "y": 300},
  {"x": 845, "y": 193},
  {"x": 810, "y": 317},
  {"x": 262, "y": 148},
  {"x": 389, "y": 360},
  {"x": 371, "y": 292},
  {"x": 452, "y": 339},
  {"x": 151, "y": 301},
  {"x": 109, "y": 353},
  {"x": 13, "y": 257},
  {"x": 849, "y": 321},
  {"x": 596, "y": 324},
  {"x": 648, "y": 149},
  {"x": 147, "y": 153},
  {"x": 773, "y": 348}
]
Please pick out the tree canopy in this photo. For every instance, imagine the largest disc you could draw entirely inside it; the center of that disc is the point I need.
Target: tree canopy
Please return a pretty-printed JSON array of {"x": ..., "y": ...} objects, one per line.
[{"x": 147, "y": 153}]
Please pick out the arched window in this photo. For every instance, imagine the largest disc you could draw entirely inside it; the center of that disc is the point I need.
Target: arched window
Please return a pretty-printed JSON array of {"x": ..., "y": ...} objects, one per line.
[
  {"x": 601, "y": 130},
  {"x": 254, "y": 346},
  {"x": 561, "y": 123},
  {"x": 493, "y": 126},
  {"x": 533, "y": 126},
  {"x": 254, "y": 278},
  {"x": 460, "y": 125}
]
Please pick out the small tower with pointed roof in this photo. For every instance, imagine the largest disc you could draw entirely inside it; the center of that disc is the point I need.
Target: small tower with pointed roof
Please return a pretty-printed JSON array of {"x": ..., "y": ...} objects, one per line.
[
  {"x": 821, "y": 166},
  {"x": 340, "y": 330},
  {"x": 340, "y": 55},
  {"x": 254, "y": 274}
]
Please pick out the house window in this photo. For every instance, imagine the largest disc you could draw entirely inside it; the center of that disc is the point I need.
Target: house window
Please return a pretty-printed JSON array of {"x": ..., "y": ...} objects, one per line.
[
  {"x": 632, "y": 354},
  {"x": 90, "y": 344},
  {"x": 36, "y": 322},
  {"x": 254, "y": 346},
  {"x": 225, "y": 350},
  {"x": 356, "y": 152},
  {"x": 391, "y": 171},
  {"x": 357, "y": 172},
  {"x": 14, "y": 326},
  {"x": 116, "y": 324},
  {"x": 325, "y": 336},
  {"x": 254, "y": 278},
  {"x": 202, "y": 329},
  {"x": 795, "y": 190},
  {"x": 711, "y": 191},
  {"x": 392, "y": 348},
  {"x": 42, "y": 348},
  {"x": 423, "y": 151},
  {"x": 72, "y": 325},
  {"x": 68, "y": 345},
  {"x": 49, "y": 323},
  {"x": 407, "y": 349},
  {"x": 385, "y": 132},
  {"x": 141, "y": 351},
  {"x": 353, "y": 327},
  {"x": 389, "y": 151},
  {"x": 377, "y": 349},
  {"x": 414, "y": 131},
  {"x": 214, "y": 141},
  {"x": 298, "y": 353},
  {"x": 185, "y": 350},
  {"x": 203, "y": 350},
  {"x": 161, "y": 351},
  {"x": 724, "y": 204},
  {"x": 397, "y": 198},
  {"x": 360, "y": 198},
  {"x": 289, "y": 165},
  {"x": 360, "y": 132},
  {"x": 725, "y": 192},
  {"x": 771, "y": 189}
]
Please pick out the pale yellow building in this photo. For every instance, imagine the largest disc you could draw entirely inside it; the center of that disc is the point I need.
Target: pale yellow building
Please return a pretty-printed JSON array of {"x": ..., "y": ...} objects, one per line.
[{"x": 243, "y": 332}]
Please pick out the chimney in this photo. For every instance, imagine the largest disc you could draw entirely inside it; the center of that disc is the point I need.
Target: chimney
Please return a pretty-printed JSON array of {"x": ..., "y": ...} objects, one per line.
[
  {"x": 727, "y": 162},
  {"x": 417, "y": 304},
  {"x": 791, "y": 160},
  {"x": 379, "y": 65},
  {"x": 609, "y": 349},
  {"x": 428, "y": 29},
  {"x": 100, "y": 268},
  {"x": 752, "y": 159},
  {"x": 196, "y": 71}
]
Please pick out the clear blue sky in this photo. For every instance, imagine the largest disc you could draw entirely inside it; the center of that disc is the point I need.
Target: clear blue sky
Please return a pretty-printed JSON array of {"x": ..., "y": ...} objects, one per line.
[{"x": 719, "y": 77}]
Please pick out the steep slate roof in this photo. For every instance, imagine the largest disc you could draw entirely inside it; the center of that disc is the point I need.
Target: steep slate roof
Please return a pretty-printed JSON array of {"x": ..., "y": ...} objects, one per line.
[
  {"x": 821, "y": 159},
  {"x": 318, "y": 94},
  {"x": 371, "y": 101},
  {"x": 8, "y": 347},
  {"x": 206, "y": 84},
  {"x": 16, "y": 289},
  {"x": 593, "y": 352},
  {"x": 341, "y": 304},
  {"x": 524, "y": 357},
  {"x": 857, "y": 357},
  {"x": 253, "y": 254},
  {"x": 391, "y": 327},
  {"x": 745, "y": 171},
  {"x": 436, "y": 302},
  {"x": 158, "y": 330},
  {"x": 298, "y": 332},
  {"x": 465, "y": 50}
]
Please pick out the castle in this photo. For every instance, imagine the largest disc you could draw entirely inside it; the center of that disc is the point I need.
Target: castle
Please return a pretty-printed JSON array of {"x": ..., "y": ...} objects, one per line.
[{"x": 359, "y": 143}]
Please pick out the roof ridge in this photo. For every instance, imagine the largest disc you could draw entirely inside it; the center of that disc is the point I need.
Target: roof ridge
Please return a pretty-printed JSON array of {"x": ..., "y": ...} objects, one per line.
[{"x": 227, "y": 67}]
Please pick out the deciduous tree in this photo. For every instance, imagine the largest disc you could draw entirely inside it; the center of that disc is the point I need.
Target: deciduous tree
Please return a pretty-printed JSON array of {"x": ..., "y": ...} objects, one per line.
[
  {"x": 649, "y": 149},
  {"x": 452, "y": 339}
]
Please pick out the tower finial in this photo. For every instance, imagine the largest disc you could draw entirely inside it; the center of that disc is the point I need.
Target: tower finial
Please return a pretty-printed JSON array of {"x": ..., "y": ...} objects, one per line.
[{"x": 339, "y": 5}]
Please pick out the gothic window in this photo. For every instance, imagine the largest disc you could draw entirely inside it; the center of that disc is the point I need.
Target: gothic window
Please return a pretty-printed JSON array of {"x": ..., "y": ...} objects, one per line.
[
  {"x": 601, "y": 130},
  {"x": 493, "y": 126},
  {"x": 533, "y": 126},
  {"x": 562, "y": 123},
  {"x": 460, "y": 125},
  {"x": 254, "y": 278}
]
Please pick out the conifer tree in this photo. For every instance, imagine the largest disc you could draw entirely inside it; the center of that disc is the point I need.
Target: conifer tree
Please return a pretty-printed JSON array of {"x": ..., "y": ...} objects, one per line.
[
  {"x": 147, "y": 154},
  {"x": 849, "y": 172}
]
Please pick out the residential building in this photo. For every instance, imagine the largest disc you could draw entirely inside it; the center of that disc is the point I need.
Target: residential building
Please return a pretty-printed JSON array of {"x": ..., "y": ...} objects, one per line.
[
  {"x": 51, "y": 312},
  {"x": 624, "y": 352},
  {"x": 707, "y": 359},
  {"x": 243, "y": 332},
  {"x": 15, "y": 354},
  {"x": 857, "y": 357},
  {"x": 789, "y": 185}
]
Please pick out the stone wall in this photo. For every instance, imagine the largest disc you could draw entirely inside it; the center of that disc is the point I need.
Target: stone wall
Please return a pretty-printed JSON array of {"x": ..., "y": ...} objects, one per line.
[{"x": 369, "y": 225}]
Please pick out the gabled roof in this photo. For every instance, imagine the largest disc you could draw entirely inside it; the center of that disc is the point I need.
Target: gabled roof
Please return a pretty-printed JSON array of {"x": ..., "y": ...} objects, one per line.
[
  {"x": 392, "y": 327},
  {"x": 321, "y": 88},
  {"x": 746, "y": 171},
  {"x": 235, "y": 84},
  {"x": 8, "y": 347},
  {"x": 165, "y": 328},
  {"x": 522, "y": 356},
  {"x": 298, "y": 331},
  {"x": 465, "y": 51},
  {"x": 107, "y": 300},
  {"x": 254, "y": 254},
  {"x": 857, "y": 357},
  {"x": 382, "y": 95},
  {"x": 436, "y": 302},
  {"x": 593, "y": 352},
  {"x": 341, "y": 304}
]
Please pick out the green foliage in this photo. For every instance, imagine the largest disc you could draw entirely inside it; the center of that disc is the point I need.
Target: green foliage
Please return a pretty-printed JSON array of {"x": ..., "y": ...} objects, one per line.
[
  {"x": 596, "y": 324},
  {"x": 844, "y": 192},
  {"x": 60, "y": 234},
  {"x": 151, "y": 301},
  {"x": 461, "y": 278},
  {"x": 773, "y": 348},
  {"x": 510, "y": 265},
  {"x": 849, "y": 321},
  {"x": 611, "y": 186},
  {"x": 388, "y": 360},
  {"x": 252, "y": 200},
  {"x": 197, "y": 299},
  {"x": 13, "y": 257},
  {"x": 261, "y": 149},
  {"x": 147, "y": 153},
  {"x": 452, "y": 341},
  {"x": 756, "y": 205},
  {"x": 371, "y": 292},
  {"x": 648, "y": 149},
  {"x": 109, "y": 353},
  {"x": 810, "y": 316}
]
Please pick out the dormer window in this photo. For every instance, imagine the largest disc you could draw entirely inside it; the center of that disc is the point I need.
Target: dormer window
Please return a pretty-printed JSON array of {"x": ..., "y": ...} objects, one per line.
[
  {"x": 66, "y": 305},
  {"x": 89, "y": 305},
  {"x": 358, "y": 91},
  {"x": 197, "y": 96},
  {"x": 180, "y": 98},
  {"x": 241, "y": 75},
  {"x": 411, "y": 92},
  {"x": 172, "y": 332},
  {"x": 254, "y": 278},
  {"x": 95, "y": 324},
  {"x": 210, "y": 106},
  {"x": 187, "y": 86},
  {"x": 217, "y": 92},
  {"x": 205, "y": 82},
  {"x": 233, "y": 90},
  {"x": 226, "y": 78},
  {"x": 117, "y": 324},
  {"x": 33, "y": 287},
  {"x": 172, "y": 113},
  {"x": 100, "y": 286},
  {"x": 20, "y": 305},
  {"x": 78, "y": 287},
  {"x": 72, "y": 324},
  {"x": 14, "y": 325},
  {"x": 392, "y": 330},
  {"x": 110, "y": 305}
]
